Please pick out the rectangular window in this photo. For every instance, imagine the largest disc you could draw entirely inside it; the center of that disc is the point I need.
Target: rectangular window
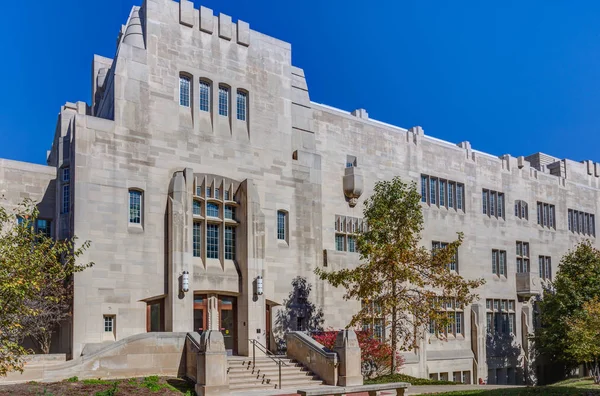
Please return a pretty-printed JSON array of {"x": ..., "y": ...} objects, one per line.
[
  {"x": 551, "y": 218},
  {"x": 42, "y": 226},
  {"x": 66, "y": 175},
  {"x": 580, "y": 222},
  {"x": 452, "y": 322},
  {"x": 493, "y": 203},
  {"x": 458, "y": 322},
  {"x": 454, "y": 262},
  {"x": 489, "y": 322},
  {"x": 217, "y": 193},
  {"x": 281, "y": 225},
  {"x": 545, "y": 267},
  {"x": 208, "y": 192},
  {"x": 230, "y": 212},
  {"x": 511, "y": 323},
  {"x": 197, "y": 239},
  {"x": 223, "y": 100},
  {"x": 242, "y": 101},
  {"x": 442, "y": 193},
  {"x": 204, "y": 96},
  {"x": 339, "y": 243},
  {"x": 212, "y": 209},
  {"x": 570, "y": 220},
  {"x": 423, "y": 188},
  {"x": 494, "y": 262},
  {"x": 109, "y": 324},
  {"x": 352, "y": 244},
  {"x": 539, "y": 213},
  {"x": 451, "y": 195},
  {"x": 226, "y": 195},
  {"x": 432, "y": 190},
  {"x": 500, "y": 210},
  {"x": 592, "y": 225},
  {"x": 66, "y": 198},
  {"x": 212, "y": 241},
  {"x": 460, "y": 190},
  {"x": 197, "y": 208},
  {"x": 184, "y": 91},
  {"x": 229, "y": 243},
  {"x": 484, "y": 201},
  {"x": 502, "y": 263},
  {"x": 545, "y": 215}
]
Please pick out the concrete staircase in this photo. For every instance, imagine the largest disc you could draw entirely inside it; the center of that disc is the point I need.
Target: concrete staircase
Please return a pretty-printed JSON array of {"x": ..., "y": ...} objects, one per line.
[{"x": 265, "y": 374}]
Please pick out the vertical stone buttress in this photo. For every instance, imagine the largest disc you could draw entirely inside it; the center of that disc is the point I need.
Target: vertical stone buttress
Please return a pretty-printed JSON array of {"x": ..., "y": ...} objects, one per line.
[
  {"x": 251, "y": 306},
  {"x": 179, "y": 305}
]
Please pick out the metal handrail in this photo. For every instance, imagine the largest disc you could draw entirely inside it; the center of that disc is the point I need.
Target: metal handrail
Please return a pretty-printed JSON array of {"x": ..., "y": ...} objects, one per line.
[{"x": 269, "y": 354}]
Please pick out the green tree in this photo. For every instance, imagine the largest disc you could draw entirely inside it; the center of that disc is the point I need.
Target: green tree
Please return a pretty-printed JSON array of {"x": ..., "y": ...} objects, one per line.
[
  {"x": 583, "y": 337},
  {"x": 577, "y": 282},
  {"x": 408, "y": 283},
  {"x": 29, "y": 261}
]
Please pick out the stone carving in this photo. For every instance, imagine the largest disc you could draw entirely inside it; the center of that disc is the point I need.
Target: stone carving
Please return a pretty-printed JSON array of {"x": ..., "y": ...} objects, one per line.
[{"x": 353, "y": 185}]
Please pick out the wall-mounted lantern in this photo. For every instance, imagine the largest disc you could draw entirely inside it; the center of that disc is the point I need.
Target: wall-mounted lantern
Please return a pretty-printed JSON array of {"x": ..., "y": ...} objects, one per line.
[
  {"x": 185, "y": 282},
  {"x": 259, "y": 285}
]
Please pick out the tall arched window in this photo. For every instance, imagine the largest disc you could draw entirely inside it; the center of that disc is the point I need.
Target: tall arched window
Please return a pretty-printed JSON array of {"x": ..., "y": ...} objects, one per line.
[
  {"x": 185, "y": 83},
  {"x": 135, "y": 206},
  {"x": 282, "y": 225},
  {"x": 223, "y": 100},
  {"x": 242, "y": 105},
  {"x": 204, "y": 90}
]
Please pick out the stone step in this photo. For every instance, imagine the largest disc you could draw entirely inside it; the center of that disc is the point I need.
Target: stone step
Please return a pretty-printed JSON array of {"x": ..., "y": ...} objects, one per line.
[
  {"x": 274, "y": 385},
  {"x": 242, "y": 362},
  {"x": 264, "y": 368},
  {"x": 284, "y": 376}
]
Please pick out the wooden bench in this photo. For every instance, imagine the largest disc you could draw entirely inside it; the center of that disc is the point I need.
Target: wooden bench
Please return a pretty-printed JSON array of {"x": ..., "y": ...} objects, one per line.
[{"x": 373, "y": 389}]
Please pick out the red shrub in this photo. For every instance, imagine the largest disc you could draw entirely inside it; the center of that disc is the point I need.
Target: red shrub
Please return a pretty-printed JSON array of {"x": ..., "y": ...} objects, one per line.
[{"x": 375, "y": 355}]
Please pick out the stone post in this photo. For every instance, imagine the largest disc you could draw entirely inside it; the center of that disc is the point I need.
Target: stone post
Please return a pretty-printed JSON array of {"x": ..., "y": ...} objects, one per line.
[
  {"x": 212, "y": 365},
  {"x": 348, "y": 350}
]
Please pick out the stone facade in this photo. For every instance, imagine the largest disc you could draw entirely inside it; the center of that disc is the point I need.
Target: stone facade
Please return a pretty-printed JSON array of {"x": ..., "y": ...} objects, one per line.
[{"x": 278, "y": 157}]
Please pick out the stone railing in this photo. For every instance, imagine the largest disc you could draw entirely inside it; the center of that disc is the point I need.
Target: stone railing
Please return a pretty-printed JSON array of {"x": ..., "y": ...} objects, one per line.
[
  {"x": 137, "y": 355},
  {"x": 314, "y": 356}
]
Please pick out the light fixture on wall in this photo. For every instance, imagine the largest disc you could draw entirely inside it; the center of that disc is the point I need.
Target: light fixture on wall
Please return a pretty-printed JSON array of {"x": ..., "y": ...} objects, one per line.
[
  {"x": 259, "y": 285},
  {"x": 185, "y": 282}
]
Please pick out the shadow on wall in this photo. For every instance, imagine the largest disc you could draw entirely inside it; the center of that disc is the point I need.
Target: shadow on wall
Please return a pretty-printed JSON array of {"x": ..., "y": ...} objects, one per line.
[
  {"x": 298, "y": 313},
  {"x": 505, "y": 355}
]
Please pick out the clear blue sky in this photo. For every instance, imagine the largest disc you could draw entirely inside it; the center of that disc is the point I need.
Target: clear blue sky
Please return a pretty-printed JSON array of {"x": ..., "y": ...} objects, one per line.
[{"x": 511, "y": 77}]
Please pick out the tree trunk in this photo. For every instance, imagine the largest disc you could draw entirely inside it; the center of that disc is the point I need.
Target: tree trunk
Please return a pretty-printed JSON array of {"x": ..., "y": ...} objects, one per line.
[{"x": 394, "y": 333}]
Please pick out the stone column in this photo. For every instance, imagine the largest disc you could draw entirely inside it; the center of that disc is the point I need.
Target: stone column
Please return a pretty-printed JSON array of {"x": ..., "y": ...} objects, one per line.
[
  {"x": 348, "y": 350},
  {"x": 212, "y": 365}
]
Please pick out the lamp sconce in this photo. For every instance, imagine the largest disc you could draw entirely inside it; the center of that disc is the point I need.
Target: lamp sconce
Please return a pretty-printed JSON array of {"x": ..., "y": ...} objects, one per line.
[
  {"x": 185, "y": 282},
  {"x": 259, "y": 285}
]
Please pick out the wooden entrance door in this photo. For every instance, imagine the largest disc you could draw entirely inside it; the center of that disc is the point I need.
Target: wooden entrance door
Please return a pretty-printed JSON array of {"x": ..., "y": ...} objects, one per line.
[
  {"x": 228, "y": 321},
  {"x": 200, "y": 312},
  {"x": 268, "y": 327}
]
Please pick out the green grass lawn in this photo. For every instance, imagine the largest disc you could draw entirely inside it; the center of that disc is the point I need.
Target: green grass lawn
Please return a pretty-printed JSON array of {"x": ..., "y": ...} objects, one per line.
[{"x": 582, "y": 387}]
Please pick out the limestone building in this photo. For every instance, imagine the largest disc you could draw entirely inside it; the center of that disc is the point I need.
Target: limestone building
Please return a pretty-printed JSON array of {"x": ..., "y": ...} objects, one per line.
[{"x": 208, "y": 181}]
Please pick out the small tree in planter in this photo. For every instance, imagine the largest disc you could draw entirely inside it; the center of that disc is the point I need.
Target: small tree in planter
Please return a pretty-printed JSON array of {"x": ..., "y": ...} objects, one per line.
[{"x": 375, "y": 355}]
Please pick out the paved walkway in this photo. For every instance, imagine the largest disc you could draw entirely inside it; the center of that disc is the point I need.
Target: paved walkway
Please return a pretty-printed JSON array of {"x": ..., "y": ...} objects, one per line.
[{"x": 413, "y": 390}]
